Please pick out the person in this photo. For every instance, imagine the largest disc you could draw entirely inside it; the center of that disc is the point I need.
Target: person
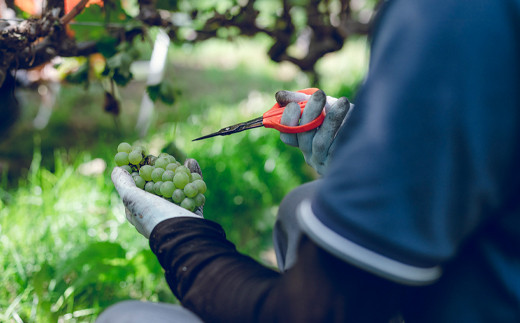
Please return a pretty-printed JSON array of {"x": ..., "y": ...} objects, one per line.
[{"x": 417, "y": 216}]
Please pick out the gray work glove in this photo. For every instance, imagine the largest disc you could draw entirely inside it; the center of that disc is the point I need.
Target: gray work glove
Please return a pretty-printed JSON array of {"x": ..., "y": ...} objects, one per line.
[
  {"x": 317, "y": 144},
  {"x": 145, "y": 210}
]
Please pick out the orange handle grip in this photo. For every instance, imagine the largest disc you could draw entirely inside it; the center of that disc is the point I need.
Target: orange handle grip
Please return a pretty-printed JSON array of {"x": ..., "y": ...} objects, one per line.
[{"x": 272, "y": 118}]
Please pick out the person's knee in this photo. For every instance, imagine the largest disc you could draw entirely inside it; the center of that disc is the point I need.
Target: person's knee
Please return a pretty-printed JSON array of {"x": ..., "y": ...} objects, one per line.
[
  {"x": 132, "y": 311},
  {"x": 120, "y": 312}
]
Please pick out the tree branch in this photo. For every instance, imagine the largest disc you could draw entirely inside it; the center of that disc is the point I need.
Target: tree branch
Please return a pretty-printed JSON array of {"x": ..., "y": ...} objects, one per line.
[
  {"x": 325, "y": 37},
  {"x": 74, "y": 12},
  {"x": 36, "y": 41}
]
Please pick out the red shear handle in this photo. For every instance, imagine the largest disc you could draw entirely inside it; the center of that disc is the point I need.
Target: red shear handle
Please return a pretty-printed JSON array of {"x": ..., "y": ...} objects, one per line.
[{"x": 272, "y": 118}]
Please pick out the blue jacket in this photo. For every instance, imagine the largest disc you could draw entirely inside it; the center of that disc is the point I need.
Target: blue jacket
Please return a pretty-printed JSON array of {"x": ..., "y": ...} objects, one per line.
[{"x": 424, "y": 187}]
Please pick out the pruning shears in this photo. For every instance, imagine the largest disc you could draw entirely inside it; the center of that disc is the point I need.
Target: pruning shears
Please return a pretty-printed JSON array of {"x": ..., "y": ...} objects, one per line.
[{"x": 271, "y": 119}]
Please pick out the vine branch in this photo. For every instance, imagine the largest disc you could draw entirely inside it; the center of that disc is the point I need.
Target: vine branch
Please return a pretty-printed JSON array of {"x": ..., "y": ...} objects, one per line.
[
  {"x": 35, "y": 41},
  {"x": 73, "y": 12}
]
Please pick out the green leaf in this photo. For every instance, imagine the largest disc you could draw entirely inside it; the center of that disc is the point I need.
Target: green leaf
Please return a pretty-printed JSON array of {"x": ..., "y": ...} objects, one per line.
[
  {"x": 107, "y": 46},
  {"x": 153, "y": 91},
  {"x": 164, "y": 91},
  {"x": 80, "y": 76},
  {"x": 97, "y": 17},
  {"x": 167, "y": 92},
  {"x": 118, "y": 67},
  {"x": 122, "y": 77},
  {"x": 92, "y": 14},
  {"x": 114, "y": 12},
  {"x": 131, "y": 7},
  {"x": 172, "y": 5}
]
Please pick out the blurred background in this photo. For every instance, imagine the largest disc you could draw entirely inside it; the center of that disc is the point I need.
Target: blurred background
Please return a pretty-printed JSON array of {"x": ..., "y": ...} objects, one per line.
[{"x": 158, "y": 73}]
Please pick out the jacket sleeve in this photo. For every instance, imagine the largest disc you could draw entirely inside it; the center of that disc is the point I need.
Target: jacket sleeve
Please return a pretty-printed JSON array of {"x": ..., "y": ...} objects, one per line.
[{"x": 211, "y": 278}]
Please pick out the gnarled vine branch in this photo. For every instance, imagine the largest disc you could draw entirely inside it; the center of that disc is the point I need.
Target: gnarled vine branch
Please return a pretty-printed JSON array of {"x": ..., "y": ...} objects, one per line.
[{"x": 37, "y": 40}]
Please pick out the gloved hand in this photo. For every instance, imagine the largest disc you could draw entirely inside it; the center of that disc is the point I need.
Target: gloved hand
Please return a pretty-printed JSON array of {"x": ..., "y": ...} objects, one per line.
[
  {"x": 317, "y": 144},
  {"x": 145, "y": 210}
]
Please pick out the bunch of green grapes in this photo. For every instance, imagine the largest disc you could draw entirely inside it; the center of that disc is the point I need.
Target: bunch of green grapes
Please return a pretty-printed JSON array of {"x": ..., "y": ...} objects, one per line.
[{"x": 163, "y": 176}]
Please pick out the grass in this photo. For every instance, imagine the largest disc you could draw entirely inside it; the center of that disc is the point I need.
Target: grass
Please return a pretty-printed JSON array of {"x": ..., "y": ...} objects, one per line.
[
  {"x": 68, "y": 248},
  {"x": 67, "y": 251}
]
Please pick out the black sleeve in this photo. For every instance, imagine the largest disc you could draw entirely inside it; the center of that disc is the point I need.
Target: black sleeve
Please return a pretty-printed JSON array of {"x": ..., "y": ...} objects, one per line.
[{"x": 212, "y": 279}]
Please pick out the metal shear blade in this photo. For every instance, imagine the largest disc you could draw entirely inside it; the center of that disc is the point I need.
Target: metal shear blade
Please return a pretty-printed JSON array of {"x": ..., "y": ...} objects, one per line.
[{"x": 255, "y": 123}]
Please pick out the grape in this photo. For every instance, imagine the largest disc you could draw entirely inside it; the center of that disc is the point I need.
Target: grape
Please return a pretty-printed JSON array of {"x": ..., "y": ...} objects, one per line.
[
  {"x": 162, "y": 162},
  {"x": 163, "y": 176},
  {"x": 188, "y": 204},
  {"x": 124, "y": 147},
  {"x": 157, "y": 188},
  {"x": 167, "y": 189},
  {"x": 150, "y": 160},
  {"x": 178, "y": 196},
  {"x": 181, "y": 179},
  {"x": 195, "y": 176},
  {"x": 135, "y": 157},
  {"x": 146, "y": 172},
  {"x": 201, "y": 185},
  {"x": 127, "y": 168},
  {"x": 139, "y": 181},
  {"x": 172, "y": 166},
  {"x": 182, "y": 168},
  {"x": 149, "y": 187},
  {"x": 157, "y": 174},
  {"x": 199, "y": 199},
  {"x": 121, "y": 158},
  {"x": 168, "y": 175},
  {"x": 141, "y": 149},
  {"x": 191, "y": 190}
]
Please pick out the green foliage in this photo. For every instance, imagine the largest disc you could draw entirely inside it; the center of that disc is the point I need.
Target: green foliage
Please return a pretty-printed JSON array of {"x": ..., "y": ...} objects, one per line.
[
  {"x": 70, "y": 263},
  {"x": 164, "y": 91},
  {"x": 257, "y": 170},
  {"x": 95, "y": 17},
  {"x": 122, "y": 38},
  {"x": 94, "y": 268},
  {"x": 118, "y": 66},
  {"x": 172, "y": 5},
  {"x": 93, "y": 24},
  {"x": 67, "y": 251},
  {"x": 80, "y": 76}
]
